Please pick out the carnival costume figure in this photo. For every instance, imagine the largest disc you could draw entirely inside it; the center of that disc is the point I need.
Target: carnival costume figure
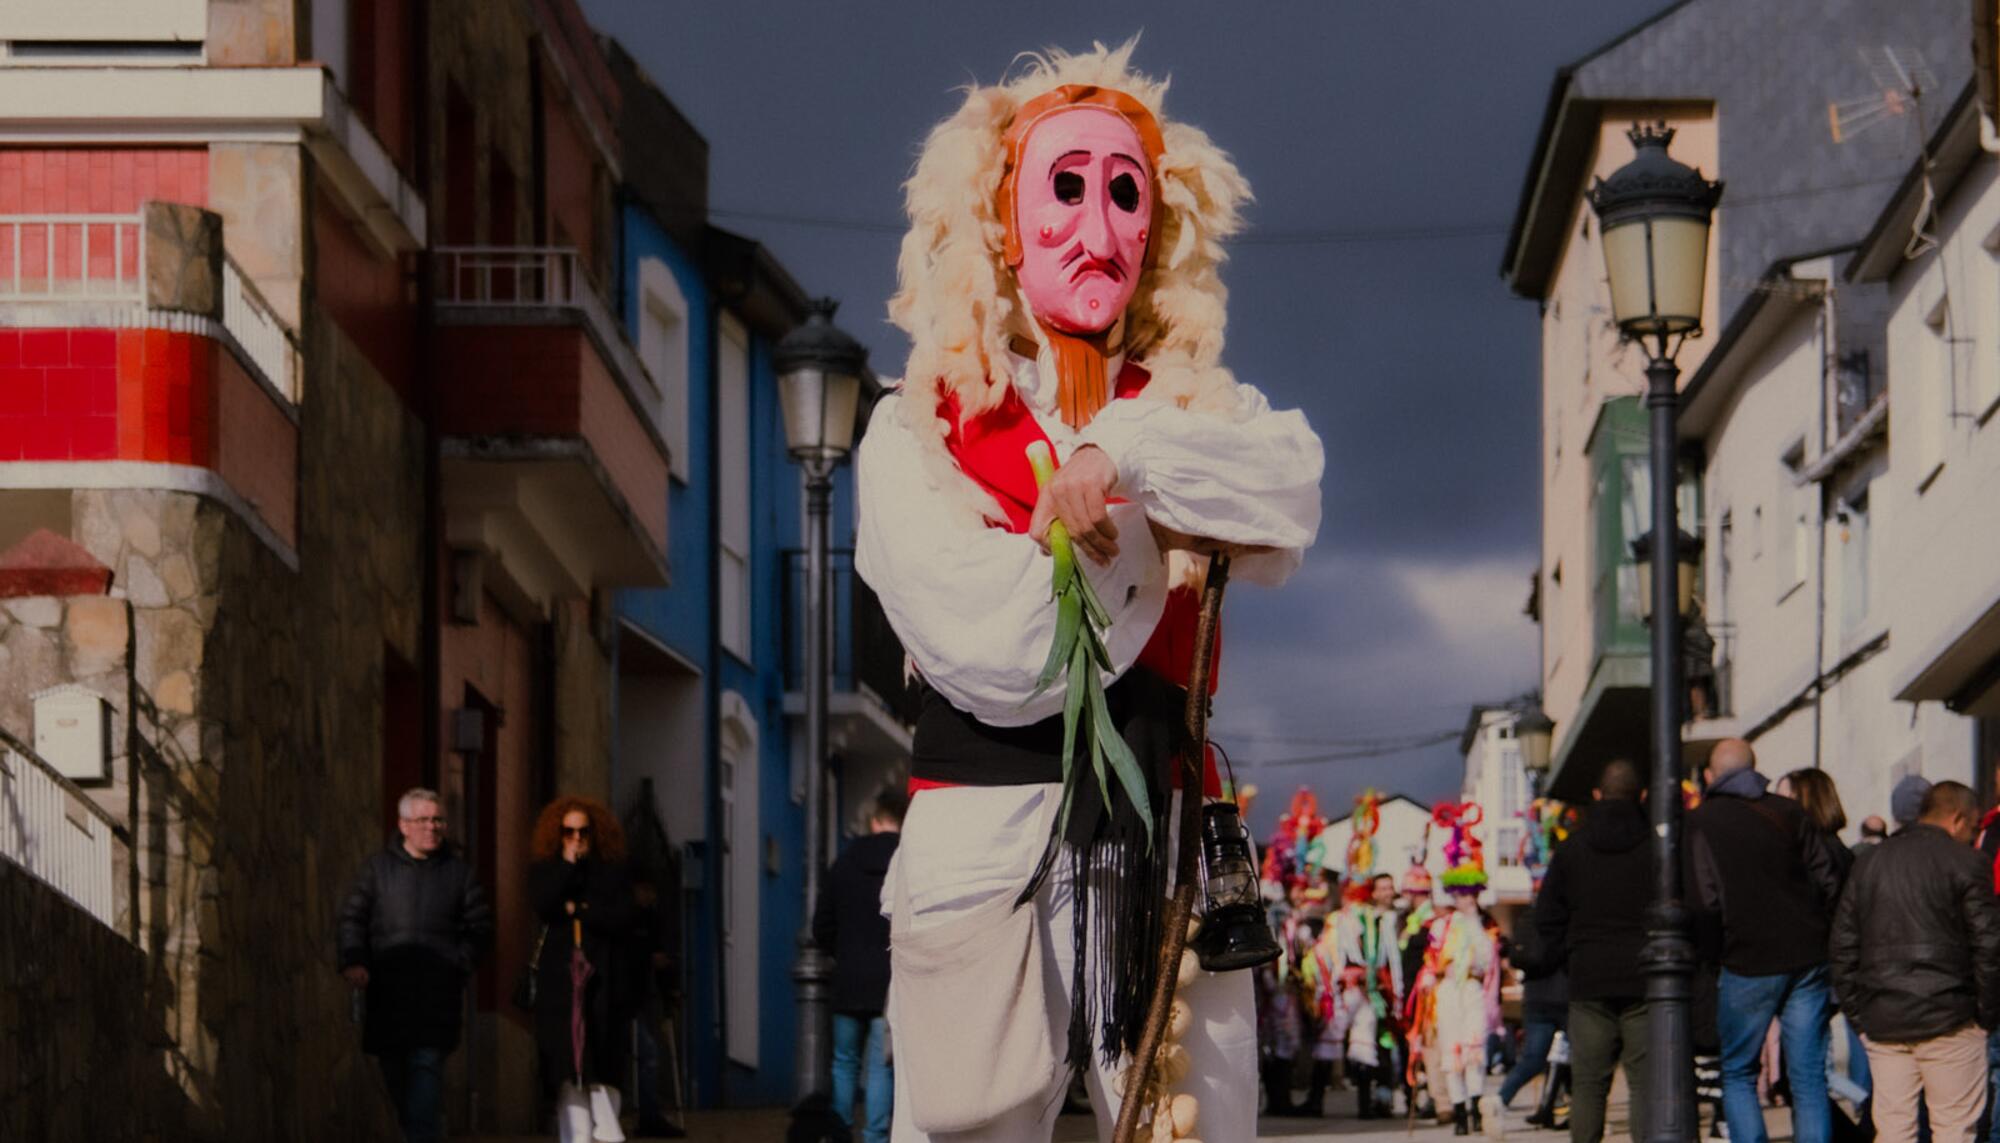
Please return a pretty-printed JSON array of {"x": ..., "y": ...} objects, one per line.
[
  {"x": 1363, "y": 984},
  {"x": 1060, "y": 286},
  {"x": 1457, "y": 992}
]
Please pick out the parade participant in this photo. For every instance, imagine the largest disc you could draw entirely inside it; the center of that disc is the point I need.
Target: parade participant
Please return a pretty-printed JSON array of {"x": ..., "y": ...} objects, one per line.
[
  {"x": 1372, "y": 967},
  {"x": 1366, "y": 980},
  {"x": 1460, "y": 977},
  {"x": 1414, "y": 913},
  {"x": 1059, "y": 285}
]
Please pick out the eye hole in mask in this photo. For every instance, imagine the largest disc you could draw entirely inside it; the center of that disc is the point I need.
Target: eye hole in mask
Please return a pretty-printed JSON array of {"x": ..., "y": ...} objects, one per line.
[
  {"x": 1125, "y": 193},
  {"x": 1069, "y": 187}
]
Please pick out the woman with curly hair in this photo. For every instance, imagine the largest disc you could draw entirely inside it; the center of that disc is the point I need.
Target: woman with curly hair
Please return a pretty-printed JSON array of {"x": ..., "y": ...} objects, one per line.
[{"x": 581, "y": 893}]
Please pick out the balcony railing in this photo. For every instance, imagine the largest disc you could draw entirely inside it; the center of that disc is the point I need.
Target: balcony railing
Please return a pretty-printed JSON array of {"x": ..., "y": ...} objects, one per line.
[
  {"x": 258, "y": 331},
  {"x": 864, "y": 650},
  {"x": 507, "y": 276},
  {"x": 101, "y": 259},
  {"x": 499, "y": 278},
  {"x": 50, "y": 828},
  {"x": 72, "y": 257}
]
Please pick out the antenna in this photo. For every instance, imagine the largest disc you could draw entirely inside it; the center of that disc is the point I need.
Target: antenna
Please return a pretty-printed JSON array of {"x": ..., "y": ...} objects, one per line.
[
  {"x": 1902, "y": 80},
  {"x": 1899, "y": 78}
]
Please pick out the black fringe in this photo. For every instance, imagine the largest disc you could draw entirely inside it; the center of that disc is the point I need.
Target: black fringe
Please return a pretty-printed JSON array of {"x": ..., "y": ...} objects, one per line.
[{"x": 1118, "y": 882}]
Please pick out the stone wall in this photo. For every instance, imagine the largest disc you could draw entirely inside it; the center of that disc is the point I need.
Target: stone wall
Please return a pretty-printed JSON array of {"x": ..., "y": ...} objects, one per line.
[
  {"x": 66, "y": 973},
  {"x": 250, "y": 717}
]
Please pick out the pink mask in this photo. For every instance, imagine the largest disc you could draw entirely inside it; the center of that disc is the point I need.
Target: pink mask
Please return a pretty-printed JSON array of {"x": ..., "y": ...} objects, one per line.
[{"x": 1083, "y": 212}]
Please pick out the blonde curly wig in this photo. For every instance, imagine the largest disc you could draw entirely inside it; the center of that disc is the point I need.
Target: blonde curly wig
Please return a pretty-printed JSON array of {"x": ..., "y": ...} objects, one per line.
[{"x": 956, "y": 296}]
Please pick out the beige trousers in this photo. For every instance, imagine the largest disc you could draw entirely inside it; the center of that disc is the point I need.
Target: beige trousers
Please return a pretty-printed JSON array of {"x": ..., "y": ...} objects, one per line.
[
  {"x": 960, "y": 846},
  {"x": 1949, "y": 1071}
]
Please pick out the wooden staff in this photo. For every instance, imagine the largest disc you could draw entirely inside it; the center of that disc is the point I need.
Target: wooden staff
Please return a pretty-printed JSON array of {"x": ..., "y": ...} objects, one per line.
[{"x": 1187, "y": 856}]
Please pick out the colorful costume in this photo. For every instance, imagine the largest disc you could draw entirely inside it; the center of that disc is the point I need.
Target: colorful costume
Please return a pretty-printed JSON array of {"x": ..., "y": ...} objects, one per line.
[
  {"x": 1454, "y": 1004},
  {"x": 1059, "y": 284}
]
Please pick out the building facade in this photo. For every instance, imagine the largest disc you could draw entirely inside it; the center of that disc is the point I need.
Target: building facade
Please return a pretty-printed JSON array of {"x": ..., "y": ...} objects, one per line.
[
  {"x": 710, "y": 735},
  {"x": 1741, "y": 112},
  {"x": 323, "y": 453},
  {"x": 1497, "y": 781}
]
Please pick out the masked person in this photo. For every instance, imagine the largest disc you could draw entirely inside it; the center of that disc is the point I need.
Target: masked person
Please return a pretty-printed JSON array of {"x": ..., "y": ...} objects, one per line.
[{"x": 1059, "y": 285}]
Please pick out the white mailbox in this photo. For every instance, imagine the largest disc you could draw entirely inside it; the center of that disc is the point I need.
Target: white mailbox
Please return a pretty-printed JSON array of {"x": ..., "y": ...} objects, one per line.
[{"x": 73, "y": 732}]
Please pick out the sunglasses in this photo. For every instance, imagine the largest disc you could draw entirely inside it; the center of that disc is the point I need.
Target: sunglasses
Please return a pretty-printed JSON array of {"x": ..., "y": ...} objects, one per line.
[{"x": 576, "y": 831}]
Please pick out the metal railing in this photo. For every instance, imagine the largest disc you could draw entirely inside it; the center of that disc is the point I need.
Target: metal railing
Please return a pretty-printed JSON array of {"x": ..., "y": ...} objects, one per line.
[
  {"x": 528, "y": 277},
  {"x": 864, "y": 650},
  {"x": 50, "y": 828},
  {"x": 508, "y": 276},
  {"x": 72, "y": 257},
  {"x": 257, "y": 330}
]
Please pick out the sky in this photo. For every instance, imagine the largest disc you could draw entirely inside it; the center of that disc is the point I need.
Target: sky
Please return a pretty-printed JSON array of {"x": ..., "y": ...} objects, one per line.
[{"x": 1386, "y": 142}]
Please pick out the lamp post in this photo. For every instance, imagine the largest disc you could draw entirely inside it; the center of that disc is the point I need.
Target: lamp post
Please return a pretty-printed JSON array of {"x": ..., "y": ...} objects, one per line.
[
  {"x": 819, "y": 387},
  {"x": 1535, "y": 733},
  {"x": 1654, "y": 213}
]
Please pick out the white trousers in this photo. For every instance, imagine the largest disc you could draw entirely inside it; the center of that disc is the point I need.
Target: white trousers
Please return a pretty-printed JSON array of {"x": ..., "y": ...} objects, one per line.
[
  {"x": 960, "y": 846},
  {"x": 588, "y": 1115}
]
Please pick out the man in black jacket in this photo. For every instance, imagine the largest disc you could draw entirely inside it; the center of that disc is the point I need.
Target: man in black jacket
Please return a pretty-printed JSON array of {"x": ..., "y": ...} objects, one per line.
[
  {"x": 1757, "y": 865},
  {"x": 1591, "y": 916},
  {"x": 849, "y": 924},
  {"x": 1916, "y": 961},
  {"x": 411, "y": 929}
]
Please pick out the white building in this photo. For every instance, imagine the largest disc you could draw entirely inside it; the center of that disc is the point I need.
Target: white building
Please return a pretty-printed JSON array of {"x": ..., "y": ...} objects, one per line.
[
  {"x": 1498, "y": 782},
  {"x": 1400, "y": 839},
  {"x": 1940, "y": 500},
  {"x": 1785, "y": 423}
]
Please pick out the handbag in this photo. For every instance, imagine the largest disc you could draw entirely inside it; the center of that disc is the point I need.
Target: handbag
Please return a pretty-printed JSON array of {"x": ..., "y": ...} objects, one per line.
[
  {"x": 524, "y": 985},
  {"x": 971, "y": 1022}
]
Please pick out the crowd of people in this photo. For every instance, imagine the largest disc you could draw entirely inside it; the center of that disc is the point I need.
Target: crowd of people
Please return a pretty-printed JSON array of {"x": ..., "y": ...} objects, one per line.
[
  {"x": 416, "y": 922},
  {"x": 1390, "y": 984},
  {"x": 1397, "y": 989}
]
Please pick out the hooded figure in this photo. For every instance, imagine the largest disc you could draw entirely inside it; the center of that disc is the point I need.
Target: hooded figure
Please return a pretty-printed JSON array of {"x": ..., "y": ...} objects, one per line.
[{"x": 1060, "y": 287}]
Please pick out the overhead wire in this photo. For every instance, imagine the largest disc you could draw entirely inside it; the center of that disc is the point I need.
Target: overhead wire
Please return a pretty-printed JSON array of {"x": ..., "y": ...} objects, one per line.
[{"x": 1337, "y": 236}]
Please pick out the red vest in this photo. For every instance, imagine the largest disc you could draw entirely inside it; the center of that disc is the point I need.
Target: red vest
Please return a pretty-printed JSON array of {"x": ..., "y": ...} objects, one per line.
[{"x": 992, "y": 449}]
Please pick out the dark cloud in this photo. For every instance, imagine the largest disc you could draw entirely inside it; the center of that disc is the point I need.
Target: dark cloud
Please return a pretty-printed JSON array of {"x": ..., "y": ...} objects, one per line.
[{"x": 1410, "y": 118}]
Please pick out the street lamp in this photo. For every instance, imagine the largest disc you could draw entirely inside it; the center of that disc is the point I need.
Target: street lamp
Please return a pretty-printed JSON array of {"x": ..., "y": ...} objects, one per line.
[
  {"x": 819, "y": 386},
  {"x": 1687, "y": 561},
  {"x": 1654, "y": 213},
  {"x": 1535, "y": 732}
]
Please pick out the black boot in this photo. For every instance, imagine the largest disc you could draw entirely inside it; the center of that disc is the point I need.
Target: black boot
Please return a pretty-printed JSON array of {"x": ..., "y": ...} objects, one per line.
[
  {"x": 1278, "y": 1087},
  {"x": 1478, "y": 1124},
  {"x": 1364, "y": 1097},
  {"x": 1458, "y": 1124},
  {"x": 1322, "y": 1075}
]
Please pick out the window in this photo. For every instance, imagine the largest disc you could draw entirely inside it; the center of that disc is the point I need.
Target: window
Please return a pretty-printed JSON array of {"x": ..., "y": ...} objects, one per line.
[
  {"x": 740, "y": 852},
  {"x": 1794, "y": 535},
  {"x": 1853, "y": 537},
  {"x": 732, "y": 592},
  {"x": 663, "y": 348}
]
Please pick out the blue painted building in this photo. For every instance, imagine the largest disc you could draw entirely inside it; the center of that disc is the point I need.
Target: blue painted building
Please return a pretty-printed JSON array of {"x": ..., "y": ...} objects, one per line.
[{"x": 708, "y": 713}]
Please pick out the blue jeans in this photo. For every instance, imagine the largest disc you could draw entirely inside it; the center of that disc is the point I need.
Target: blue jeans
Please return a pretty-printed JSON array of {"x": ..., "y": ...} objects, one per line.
[
  {"x": 1802, "y": 1003},
  {"x": 416, "y": 1086},
  {"x": 857, "y": 1041},
  {"x": 1536, "y": 1039}
]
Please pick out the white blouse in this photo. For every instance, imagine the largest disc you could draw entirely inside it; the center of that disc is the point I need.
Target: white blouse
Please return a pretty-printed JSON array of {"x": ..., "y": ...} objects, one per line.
[{"x": 971, "y": 602}]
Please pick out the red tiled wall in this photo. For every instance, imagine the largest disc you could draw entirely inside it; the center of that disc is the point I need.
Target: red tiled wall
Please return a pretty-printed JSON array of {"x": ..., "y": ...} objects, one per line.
[
  {"x": 365, "y": 297},
  {"x": 503, "y": 380},
  {"x": 615, "y": 432},
  {"x": 152, "y": 395},
  {"x": 102, "y": 180},
  {"x": 256, "y": 445}
]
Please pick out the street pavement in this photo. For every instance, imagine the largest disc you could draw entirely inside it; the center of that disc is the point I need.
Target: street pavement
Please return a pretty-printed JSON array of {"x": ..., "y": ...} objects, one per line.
[{"x": 768, "y": 1126}]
